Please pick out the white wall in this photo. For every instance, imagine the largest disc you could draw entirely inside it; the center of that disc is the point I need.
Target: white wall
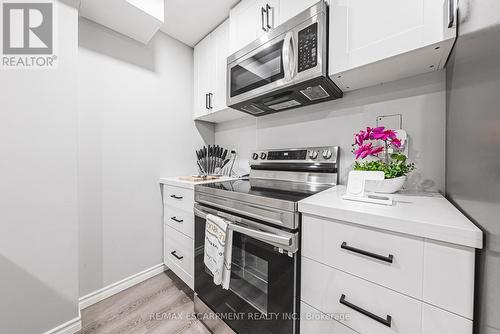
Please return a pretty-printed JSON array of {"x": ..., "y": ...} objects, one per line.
[
  {"x": 135, "y": 126},
  {"x": 421, "y": 101},
  {"x": 473, "y": 130},
  {"x": 38, "y": 190}
]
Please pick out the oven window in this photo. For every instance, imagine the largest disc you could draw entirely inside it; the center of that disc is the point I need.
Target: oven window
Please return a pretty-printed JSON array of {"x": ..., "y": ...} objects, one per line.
[
  {"x": 258, "y": 70},
  {"x": 249, "y": 276}
]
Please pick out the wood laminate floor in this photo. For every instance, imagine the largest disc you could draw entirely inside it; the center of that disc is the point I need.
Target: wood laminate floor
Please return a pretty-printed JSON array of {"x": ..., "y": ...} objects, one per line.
[{"x": 160, "y": 305}]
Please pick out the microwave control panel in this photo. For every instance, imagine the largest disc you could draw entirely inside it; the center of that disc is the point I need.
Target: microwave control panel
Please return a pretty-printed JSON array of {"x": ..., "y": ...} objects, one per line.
[{"x": 308, "y": 47}]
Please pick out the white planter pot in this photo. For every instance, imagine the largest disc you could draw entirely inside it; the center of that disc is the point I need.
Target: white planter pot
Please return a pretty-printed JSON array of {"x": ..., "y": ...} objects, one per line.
[{"x": 386, "y": 186}]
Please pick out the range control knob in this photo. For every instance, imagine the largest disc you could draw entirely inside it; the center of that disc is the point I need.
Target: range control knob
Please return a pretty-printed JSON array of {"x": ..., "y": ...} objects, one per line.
[
  {"x": 313, "y": 155},
  {"x": 327, "y": 154},
  {"x": 263, "y": 156},
  {"x": 255, "y": 156}
]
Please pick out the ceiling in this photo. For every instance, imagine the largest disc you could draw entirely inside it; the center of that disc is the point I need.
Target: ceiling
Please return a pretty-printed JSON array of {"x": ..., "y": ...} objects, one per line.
[{"x": 191, "y": 20}]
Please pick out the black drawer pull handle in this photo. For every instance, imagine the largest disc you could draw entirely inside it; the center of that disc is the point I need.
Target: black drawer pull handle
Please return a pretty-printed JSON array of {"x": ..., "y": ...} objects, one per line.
[
  {"x": 370, "y": 254},
  {"x": 176, "y": 256},
  {"x": 176, "y": 197},
  {"x": 175, "y": 219},
  {"x": 387, "y": 321}
]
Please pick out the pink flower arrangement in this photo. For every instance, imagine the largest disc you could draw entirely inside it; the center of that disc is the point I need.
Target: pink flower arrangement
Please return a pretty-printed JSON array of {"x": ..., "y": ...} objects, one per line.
[
  {"x": 377, "y": 141},
  {"x": 364, "y": 141}
]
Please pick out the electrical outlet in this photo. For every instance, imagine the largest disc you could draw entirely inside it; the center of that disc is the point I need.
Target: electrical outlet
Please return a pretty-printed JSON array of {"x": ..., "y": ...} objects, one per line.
[{"x": 393, "y": 122}]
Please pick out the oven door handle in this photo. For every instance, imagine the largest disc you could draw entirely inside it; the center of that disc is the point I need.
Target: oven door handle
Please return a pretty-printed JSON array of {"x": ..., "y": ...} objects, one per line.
[
  {"x": 264, "y": 236},
  {"x": 287, "y": 242}
]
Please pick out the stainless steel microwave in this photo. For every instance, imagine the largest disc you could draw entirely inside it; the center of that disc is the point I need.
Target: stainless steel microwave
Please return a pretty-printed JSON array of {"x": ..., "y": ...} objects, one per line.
[{"x": 285, "y": 68}]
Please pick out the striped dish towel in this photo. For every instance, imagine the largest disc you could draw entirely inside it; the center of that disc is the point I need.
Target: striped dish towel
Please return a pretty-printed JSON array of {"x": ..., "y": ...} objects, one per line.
[{"x": 218, "y": 249}]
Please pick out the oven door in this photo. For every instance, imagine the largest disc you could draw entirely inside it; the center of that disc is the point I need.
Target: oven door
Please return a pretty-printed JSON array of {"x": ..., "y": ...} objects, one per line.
[{"x": 262, "y": 296}]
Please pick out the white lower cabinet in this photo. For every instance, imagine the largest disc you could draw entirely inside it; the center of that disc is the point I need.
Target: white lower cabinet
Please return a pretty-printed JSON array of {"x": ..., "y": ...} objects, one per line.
[
  {"x": 177, "y": 197},
  {"x": 340, "y": 245},
  {"x": 378, "y": 282},
  {"x": 178, "y": 254},
  {"x": 313, "y": 321},
  {"x": 180, "y": 220},
  {"x": 333, "y": 291},
  {"x": 178, "y": 231}
]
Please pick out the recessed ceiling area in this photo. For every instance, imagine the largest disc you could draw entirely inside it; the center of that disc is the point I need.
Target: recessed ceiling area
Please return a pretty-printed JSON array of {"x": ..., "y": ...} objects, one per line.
[{"x": 191, "y": 20}]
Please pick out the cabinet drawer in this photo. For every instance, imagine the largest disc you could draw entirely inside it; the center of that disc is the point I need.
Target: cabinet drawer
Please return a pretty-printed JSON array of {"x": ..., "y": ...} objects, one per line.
[
  {"x": 178, "y": 254},
  {"x": 365, "y": 305},
  {"x": 182, "y": 221},
  {"x": 181, "y": 198},
  {"x": 313, "y": 321},
  {"x": 381, "y": 257},
  {"x": 436, "y": 320}
]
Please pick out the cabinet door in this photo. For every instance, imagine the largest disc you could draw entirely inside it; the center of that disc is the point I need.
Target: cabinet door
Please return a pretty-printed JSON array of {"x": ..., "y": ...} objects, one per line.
[
  {"x": 290, "y": 8},
  {"x": 204, "y": 72},
  {"x": 244, "y": 20},
  {"x": 363, "y": 32},
  {"x": 248, "y": 21},
  {"x": 221, "y": 44}
]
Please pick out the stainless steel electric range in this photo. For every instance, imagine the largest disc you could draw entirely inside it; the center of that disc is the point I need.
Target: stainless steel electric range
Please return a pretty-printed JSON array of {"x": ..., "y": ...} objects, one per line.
[{"x": 263, "y": 296}]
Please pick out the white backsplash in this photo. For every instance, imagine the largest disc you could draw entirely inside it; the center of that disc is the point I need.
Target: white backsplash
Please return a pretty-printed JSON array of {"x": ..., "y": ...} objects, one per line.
[{"x": 421, "y": 101}]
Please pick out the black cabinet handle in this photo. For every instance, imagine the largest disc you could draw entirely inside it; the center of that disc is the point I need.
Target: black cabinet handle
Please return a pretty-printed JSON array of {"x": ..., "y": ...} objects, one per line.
[
  {"x": 176, "y": 197},
  {"x": 176, "y": 220},
  {"x": 387, "y": 321},
  {"x": 262, "y": 13},
  {"x": 210, "y": 100},
  {"x": 370, "y": 254},
  {"x": 267, "y": 17},
  {"x": 206, "y": 101},
  {"x": 176, "y": 256}
]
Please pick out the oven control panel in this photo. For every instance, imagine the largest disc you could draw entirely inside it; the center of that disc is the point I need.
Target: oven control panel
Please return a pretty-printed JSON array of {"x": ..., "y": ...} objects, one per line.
[
  {"x": 307, "y": 155},
  {"x": 308, "y": 47}
]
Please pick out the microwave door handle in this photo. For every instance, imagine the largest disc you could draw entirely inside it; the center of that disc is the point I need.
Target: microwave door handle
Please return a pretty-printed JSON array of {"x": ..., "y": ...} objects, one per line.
[
  {"x": 288, "y": 56},
  {"x": 260, "y": 235}
]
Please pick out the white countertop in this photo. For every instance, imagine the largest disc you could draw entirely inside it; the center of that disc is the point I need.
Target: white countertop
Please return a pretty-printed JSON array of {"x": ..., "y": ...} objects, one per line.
[
  {"x": 175, "y": 181},
  {"x": 426, "y": 215}
]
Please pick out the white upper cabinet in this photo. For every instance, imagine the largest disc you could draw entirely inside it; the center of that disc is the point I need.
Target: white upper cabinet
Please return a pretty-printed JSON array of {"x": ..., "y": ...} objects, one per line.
[
  {"x": 204, "y": 71},
  {"x": 290, "y": 8},
  {"x": 221, "y": 42},
  {"x": 210, "y": 58},
  {"x": 250, "y": 19},
  {"x": 395, "y": 38}
]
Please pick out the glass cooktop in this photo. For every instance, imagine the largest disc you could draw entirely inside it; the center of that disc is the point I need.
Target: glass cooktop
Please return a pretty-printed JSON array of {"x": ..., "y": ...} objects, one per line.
[{"x": 269, "y": 189}]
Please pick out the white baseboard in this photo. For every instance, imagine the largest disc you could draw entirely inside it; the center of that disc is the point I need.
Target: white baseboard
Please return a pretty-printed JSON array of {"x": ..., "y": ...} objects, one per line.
[
  {"x": 69, "y": 327},
  {"x": 114, "y": 288}
]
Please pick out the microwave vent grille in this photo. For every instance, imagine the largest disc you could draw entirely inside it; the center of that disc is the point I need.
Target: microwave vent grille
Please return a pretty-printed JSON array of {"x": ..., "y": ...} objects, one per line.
[
  {"x": 252, "y": 109},
  {"x": 315, "y": 93}
]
